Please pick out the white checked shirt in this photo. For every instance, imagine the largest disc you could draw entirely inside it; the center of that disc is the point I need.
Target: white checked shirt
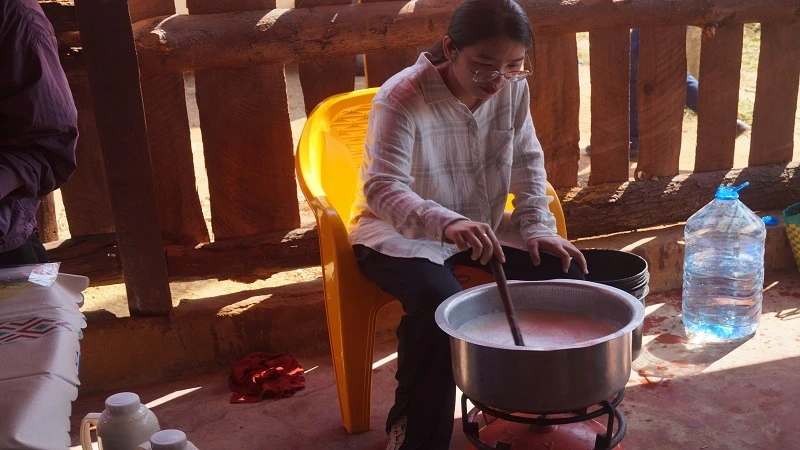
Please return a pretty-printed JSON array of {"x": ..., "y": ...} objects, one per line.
[{"x": 429, "y": 161}]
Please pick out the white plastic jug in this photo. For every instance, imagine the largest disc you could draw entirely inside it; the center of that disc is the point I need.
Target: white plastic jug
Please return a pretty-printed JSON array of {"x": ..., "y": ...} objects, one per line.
[
  {"x": 124, "y": 424},
  {"x": 168, "y": 440}
]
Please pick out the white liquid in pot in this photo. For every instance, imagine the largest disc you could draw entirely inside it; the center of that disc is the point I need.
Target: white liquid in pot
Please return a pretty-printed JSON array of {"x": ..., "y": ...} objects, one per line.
[{"x": 541, "y": 329}]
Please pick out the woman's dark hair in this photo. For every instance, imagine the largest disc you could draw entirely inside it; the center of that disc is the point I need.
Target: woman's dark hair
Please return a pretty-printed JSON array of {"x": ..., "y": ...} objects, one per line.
[{"x": 479, "y": 20}]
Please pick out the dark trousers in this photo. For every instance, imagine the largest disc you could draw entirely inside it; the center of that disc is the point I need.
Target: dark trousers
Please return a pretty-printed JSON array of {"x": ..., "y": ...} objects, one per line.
[
  {"x": 31, "y": 252},
  {"x": 426, "y": 390}
]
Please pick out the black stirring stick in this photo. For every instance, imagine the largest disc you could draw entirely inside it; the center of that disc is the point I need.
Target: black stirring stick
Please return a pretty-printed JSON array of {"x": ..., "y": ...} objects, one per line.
[{"x": 505, "y": 295}]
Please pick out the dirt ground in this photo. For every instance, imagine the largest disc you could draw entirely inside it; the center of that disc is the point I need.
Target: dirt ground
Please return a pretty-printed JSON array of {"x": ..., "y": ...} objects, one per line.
[{"x": 113, "y": 298}]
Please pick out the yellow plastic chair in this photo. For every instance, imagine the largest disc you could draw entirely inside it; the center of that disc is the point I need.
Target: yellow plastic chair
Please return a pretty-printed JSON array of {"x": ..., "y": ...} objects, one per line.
[{"x": 327, "y": 163}]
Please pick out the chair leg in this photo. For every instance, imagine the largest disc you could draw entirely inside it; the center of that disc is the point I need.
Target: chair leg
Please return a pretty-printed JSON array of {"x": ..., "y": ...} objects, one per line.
[{"x": 352, "y": 353}]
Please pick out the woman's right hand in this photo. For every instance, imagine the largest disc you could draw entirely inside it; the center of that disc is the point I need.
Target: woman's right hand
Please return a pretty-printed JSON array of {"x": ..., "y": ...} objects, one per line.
[{"x": 478, "y": 236}]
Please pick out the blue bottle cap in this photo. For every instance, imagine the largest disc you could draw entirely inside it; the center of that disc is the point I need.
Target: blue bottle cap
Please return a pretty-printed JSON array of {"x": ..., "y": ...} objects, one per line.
[
  {"x": 730, "y": 192},
  {"x": 770, "y": 220}
]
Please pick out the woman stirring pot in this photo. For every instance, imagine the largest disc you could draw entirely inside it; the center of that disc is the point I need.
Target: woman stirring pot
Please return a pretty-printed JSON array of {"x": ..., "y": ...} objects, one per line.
[{"x": 448, "y": 139}]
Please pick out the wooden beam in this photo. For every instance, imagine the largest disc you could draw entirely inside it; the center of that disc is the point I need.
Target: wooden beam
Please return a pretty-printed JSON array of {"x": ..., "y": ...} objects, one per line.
[
  {"x": 179, "y": 210},
  {"x": 661, "y": 96},
  {"x": 97, "y": 257},
  {"x": 772, "y": 137},
  {"x": 612, "y": 207},
  {"x": 555, "y": 106},
  {"x": 85, "y": 196},
  {"x": 322, "y": 77},
  {"x": 144, "y": 9},
  {"x": 247, "y": 141},
  {"x": 46, "y": 219},
  {"x": 718, "y": 98},
  {"x": 610, "y": 72},
  {"x": 94, "y": 256},
  {"x": 251, "y": 258},
  {"x": 181, "y": 42},
  {"x": 381, "y": 65},
  {"x": 589, "y": 211},
  {"x": 119, "y": 112}
]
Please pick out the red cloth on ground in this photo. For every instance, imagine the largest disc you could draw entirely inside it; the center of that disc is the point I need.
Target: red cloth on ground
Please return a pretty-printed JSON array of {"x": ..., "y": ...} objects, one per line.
[{"x": 259, "y": 375}]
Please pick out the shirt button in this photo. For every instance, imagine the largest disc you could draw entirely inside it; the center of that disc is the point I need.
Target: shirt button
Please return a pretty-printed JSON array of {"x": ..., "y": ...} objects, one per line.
[{"x": 472, "y": 123}]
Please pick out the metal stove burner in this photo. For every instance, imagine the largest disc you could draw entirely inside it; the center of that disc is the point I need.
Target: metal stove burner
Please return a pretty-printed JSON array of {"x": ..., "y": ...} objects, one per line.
[{"x": 544, "y": 424}]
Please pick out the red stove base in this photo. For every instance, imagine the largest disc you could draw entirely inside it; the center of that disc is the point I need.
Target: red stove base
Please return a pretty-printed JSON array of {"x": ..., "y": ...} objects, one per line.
[{"x": 522, "y": 436}]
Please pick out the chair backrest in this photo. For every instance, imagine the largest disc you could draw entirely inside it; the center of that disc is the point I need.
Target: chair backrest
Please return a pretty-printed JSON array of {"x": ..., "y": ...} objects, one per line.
[{"x": 330, "y": 151}]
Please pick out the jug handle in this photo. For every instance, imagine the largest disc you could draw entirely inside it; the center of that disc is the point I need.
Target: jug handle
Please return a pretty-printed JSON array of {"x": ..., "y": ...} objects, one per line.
[{"x": 87, "y": 425}]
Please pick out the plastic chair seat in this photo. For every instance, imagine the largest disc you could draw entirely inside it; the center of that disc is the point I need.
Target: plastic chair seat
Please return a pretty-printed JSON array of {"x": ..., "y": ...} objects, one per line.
[{"x": 327, "y": 163}]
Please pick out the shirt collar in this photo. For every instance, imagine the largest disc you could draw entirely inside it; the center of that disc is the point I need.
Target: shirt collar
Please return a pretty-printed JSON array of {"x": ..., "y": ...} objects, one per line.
[{"x": 433, "y": 87}]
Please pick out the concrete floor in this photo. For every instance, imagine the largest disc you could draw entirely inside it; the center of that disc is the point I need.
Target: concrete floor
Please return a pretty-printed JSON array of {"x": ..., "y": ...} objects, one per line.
[{"x": 681, "y": 395}]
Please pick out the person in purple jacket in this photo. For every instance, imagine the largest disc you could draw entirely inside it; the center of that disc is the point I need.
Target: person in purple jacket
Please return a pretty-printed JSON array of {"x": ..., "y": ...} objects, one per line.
[{"x": 38, "y": 127}]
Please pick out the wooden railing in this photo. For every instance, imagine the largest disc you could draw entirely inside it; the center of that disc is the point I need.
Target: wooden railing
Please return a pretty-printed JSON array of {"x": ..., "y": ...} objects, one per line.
[{"x": 136, "y": 174}]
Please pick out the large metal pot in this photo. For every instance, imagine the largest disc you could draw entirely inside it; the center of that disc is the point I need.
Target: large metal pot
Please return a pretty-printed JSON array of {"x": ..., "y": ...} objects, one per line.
[{"x": 523, "y": 379}]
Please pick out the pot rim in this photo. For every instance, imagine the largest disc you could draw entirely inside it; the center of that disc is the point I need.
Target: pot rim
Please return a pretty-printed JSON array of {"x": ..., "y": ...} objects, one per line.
[{"x": 633, "y": 323}]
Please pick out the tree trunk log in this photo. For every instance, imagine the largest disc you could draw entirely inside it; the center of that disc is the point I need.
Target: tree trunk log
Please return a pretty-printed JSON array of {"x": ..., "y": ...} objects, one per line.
[
  {"x": 97, "y": 257},
  {"x": 236, "y": 39},
  {"x": 610, "y": 208},
  {"x": 94, "y": 256}
]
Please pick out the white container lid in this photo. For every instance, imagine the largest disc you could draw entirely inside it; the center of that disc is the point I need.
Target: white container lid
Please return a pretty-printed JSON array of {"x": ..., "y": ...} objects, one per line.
[
  {"x": 169, "y": 440},
  {"x": 123, "y": 404}
]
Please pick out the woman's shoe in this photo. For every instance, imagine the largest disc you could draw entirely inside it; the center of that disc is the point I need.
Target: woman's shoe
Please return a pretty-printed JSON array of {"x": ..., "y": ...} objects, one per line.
[{"x": 397, "y": 433}]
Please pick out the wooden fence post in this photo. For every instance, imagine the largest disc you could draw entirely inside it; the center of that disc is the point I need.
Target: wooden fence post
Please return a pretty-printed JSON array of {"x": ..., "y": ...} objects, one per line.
[
  {"x": 776, "y": 94},
  {"x": 46, "y": 219},
  {"x": 247, "y": 141},
  {"x": 718, "y": 98},
  {"x": 323, "y": 77},
  {"x": 164, "y": 99},
  {"x": 610, "y": 74},
  {"x": 381, "y": 65},
  {"x": 85, "y": 196},
  {"x": 661, "y": 95},
  {"x": 116, "y": 93},
  {"x": 555, "y": 106}
]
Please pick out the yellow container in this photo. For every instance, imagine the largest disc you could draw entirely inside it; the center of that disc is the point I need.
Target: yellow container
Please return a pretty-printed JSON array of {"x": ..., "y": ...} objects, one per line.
[{"x": 791, "y": 216}]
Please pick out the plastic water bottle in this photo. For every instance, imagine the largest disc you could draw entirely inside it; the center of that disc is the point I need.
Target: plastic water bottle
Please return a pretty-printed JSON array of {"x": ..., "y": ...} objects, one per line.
[{"x": 723, "y": 273}]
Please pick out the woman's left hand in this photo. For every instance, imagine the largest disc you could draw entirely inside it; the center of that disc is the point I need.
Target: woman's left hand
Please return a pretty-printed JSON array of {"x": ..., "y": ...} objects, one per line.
[{"x": 557, "y": 246}]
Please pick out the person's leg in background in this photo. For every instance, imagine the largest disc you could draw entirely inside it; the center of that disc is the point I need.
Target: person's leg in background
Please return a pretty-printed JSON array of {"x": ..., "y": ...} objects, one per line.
[
  {"x": 692, "y": 88},
  {"x": 425, "y": 392},
  {"x": 691, "y": 92},
  {"x": 634, "y": 107}
]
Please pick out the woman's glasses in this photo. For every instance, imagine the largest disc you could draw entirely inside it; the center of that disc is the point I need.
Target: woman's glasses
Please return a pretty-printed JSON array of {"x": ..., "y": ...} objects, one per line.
[{"x": 485, "y": 76}]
